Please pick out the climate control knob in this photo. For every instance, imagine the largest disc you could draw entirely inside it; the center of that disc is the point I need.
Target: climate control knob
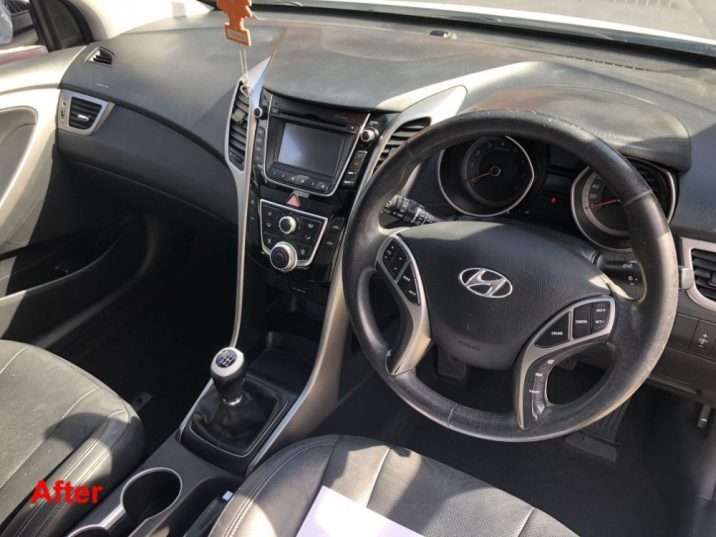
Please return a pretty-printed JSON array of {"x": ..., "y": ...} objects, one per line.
[
  {"x": 283, "y": 257},
  {"x": 287, "y": 225}
]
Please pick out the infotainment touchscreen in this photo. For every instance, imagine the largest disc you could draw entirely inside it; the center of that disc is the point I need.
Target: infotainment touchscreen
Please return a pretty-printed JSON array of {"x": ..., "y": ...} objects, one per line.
[{"x": 312, "y": 150}]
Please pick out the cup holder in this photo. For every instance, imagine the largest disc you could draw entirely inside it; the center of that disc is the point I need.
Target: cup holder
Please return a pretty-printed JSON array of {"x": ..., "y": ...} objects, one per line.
[{"x": 149, "y": 493}]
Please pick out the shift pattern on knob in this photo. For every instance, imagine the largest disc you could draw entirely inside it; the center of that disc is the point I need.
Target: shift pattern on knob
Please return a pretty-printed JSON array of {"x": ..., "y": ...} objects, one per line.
[{"x": 228, "y": 372}]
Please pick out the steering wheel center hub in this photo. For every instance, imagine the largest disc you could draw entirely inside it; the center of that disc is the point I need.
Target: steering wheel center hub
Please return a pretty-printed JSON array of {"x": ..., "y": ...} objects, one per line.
[{"x": 491, "y": 286}]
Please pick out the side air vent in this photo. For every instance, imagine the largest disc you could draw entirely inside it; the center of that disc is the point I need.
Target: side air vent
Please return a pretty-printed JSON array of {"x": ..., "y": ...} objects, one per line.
[
  {"x": 705, "y": 272},
  {"x": 239, "y": 129},
  {"x": 101, "y": 56},
  {"x": 400, "y": 136},
  {"x": 83, "y": 113}
]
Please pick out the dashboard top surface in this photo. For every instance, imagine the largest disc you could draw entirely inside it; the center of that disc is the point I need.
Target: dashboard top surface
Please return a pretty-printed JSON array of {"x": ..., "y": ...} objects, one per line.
[{"x": 652, "y": 107}]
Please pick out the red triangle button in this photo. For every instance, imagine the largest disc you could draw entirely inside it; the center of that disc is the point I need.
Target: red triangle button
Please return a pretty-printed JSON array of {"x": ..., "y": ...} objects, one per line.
[{"x": 293, "y": 201}]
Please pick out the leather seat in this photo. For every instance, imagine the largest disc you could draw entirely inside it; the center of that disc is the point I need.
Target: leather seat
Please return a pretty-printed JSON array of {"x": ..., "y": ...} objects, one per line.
[
  {"x": 57, "y": 423},
  {"x": 425, "y": 496}
]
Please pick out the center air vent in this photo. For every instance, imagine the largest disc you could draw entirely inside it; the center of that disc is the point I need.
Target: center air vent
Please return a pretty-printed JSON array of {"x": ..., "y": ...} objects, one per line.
[
  {"x": 400, "y": 136},
  {"x": 101, "y": 56},
  {"x": 239, "y": 129},
  {"x": 83, "y": 113},
  {"x": 705, "y": 272}
]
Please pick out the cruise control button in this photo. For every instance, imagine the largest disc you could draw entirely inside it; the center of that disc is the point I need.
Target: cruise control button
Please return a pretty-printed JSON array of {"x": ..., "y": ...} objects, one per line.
[
  {"x": 558, "y": 332},
  {"x": 397, "y": 262},
  {"x": 581, "y": 323},
  {"x": 408, "y": 286},
  {"x": 388, "y": 253},
  {"x": 600, "y": 315}
]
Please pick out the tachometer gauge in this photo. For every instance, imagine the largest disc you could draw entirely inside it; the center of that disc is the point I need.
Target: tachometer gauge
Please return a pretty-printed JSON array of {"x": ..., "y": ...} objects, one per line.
[
  {"x": 494, "y": 176},
  {"x": 599, "y": 214}
]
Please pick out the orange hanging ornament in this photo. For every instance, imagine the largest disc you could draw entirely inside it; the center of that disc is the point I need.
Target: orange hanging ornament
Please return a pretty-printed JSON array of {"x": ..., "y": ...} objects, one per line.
[{"x": 237, "y": 11}]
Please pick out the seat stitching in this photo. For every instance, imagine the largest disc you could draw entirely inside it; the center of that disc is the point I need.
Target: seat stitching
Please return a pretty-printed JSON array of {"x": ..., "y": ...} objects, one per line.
[
  {"x": 388, "y": 449},
  {"x": 77, "y": 463},
  {"x": 524, "y": 524},
  {"x": 13, "y": 358},
  {"x": 258, "y": 488},
  {"x": 48, "y": 436}
]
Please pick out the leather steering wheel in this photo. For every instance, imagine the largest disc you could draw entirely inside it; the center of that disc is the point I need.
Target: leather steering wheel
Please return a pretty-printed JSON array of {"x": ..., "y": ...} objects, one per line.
[{"x": 501, "y": 296}]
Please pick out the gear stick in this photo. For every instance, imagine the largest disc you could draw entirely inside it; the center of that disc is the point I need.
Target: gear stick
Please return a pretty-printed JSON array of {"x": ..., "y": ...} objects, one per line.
[
  {"x": 228, "y": 370},
  {"x": 232, "y": 415}
]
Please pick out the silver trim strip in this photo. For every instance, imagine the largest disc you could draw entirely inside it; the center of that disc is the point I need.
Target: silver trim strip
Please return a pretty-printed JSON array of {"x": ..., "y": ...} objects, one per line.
[
  {"x": 267, "y": 251},
  {"x": 63, "y": 112},
  {"x": 687, "y": 247}
]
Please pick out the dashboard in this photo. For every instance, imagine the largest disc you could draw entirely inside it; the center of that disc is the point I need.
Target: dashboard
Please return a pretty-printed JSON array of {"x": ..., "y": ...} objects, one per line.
[{"x": 333, "y": 96}]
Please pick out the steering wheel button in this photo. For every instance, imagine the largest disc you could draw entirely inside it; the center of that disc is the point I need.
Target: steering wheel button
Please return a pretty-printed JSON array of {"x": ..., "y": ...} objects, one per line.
[
  {"x": 407, "y": 285},
  {"x": 556, "y": 333},
  {"x": 600, "y": 315},
  {"x": 581, "y": 322}
]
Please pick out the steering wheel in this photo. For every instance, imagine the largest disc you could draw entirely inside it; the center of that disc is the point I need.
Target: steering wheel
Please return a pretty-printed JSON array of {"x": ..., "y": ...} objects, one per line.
[{"x": 500, "y": 296}]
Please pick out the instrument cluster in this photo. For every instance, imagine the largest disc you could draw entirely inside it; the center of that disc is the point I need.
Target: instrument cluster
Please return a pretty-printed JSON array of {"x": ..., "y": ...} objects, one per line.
[{"x": 497, "y": 175}]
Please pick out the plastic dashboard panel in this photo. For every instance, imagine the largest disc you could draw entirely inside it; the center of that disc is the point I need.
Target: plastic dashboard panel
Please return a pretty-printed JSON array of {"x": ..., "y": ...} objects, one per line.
[{"x": 167, "y": 129}]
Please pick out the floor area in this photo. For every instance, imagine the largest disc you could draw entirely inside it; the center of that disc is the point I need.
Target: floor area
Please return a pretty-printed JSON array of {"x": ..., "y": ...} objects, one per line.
[
  {"x": 590, "y": 495},
  {"x": 161, "y": 341}
]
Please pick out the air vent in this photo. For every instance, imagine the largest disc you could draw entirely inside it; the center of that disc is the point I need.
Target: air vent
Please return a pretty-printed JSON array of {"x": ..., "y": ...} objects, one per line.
[
  {"x": 238, "y": 130},
  {"x": 83, "y": 113},
  {"x": 705, "y": 272},
  {"x": 400, "y": 136},
  {"x": 101, "y": 56}
]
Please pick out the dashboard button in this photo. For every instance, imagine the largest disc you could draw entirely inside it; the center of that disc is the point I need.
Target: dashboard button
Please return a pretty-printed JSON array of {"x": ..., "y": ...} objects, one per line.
[
  {"x": 556, "y": 333},
  {"x": 581, "y": 322},
  {"x": 704, "y": 337},
  {"x": 600, "y": 315},
  {"x": 304, "y": 252},
  {"x": 270, "y": 240}
]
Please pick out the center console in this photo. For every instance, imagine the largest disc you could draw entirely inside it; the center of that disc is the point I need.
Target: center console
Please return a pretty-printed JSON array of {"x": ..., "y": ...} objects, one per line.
[
  {"x": 308, "y": 161},
  {"x": 301, "y": 179}
]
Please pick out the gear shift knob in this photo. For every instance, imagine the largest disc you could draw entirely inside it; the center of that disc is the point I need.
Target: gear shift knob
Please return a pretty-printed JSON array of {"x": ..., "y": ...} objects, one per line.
[{"x": 228, "y": 371}]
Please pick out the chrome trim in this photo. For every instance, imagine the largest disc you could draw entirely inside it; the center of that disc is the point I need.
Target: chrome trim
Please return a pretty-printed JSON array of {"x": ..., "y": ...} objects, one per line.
[
  {"x": 671, "y": 185},
  {"x": 267, "y": 251},
  {"x": 477, "y": 280},
  {"x": 242, "y": 178},
  {"x": 64, "y": 107},
  {"x": 339, "y": 177},
  {"x": 687, "y": 246},
  {"x": 532, "y": 353},
  {"x": 416, "y": 344},
  {"x": 501, "y": 211}
]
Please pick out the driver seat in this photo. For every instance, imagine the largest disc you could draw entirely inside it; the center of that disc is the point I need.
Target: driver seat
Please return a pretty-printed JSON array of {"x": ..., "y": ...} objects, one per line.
[{"x": 421, "y": 494}]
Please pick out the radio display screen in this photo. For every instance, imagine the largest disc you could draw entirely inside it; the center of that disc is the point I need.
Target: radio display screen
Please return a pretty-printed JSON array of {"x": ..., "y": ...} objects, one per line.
[{"x": 312, "y": 150}]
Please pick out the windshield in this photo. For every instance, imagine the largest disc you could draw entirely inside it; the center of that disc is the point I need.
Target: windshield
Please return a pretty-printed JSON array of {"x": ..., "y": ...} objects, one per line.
[{"x": 687, "y": 25}]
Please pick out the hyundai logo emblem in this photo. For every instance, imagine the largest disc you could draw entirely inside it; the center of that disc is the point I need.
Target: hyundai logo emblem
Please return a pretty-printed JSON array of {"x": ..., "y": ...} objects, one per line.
[{"x": 486, "y": 283}]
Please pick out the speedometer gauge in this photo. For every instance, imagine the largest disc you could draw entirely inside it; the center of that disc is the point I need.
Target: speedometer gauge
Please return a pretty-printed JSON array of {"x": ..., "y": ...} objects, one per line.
[
  {"x": 495, "y": 174},
  {"x": 599, "y": 214}
]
